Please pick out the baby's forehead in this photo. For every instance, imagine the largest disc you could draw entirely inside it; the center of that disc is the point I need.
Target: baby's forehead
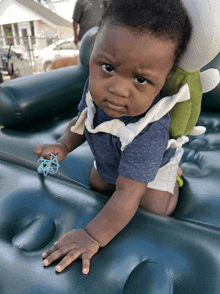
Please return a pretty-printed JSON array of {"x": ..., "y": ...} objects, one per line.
[
  {"x": 123, "y": 44},
  {"x": 123, "y": 36}
]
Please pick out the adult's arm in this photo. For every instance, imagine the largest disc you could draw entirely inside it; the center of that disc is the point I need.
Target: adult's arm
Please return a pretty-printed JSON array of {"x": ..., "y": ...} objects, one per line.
[
  {"x": 77, "y": 15},
  {"x": 75, "y": 30}
]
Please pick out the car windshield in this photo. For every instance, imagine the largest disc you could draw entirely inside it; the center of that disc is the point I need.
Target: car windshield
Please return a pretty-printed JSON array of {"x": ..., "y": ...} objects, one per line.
[
  {"x": 3, "y": 51},
  {"x": 66, "y": 46}
]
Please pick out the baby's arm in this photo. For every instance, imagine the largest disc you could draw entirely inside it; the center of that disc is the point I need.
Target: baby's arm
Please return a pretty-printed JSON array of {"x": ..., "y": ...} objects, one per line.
[
  {"x": 72, "y": 140},
  {"x": 67, "y": 143},
  {"x": 115, "y": 215},
  {"x": 118, "y": 211}
]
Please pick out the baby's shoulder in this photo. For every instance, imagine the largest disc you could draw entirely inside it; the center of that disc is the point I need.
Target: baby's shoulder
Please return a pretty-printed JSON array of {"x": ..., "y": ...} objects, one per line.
[
  {"x": 159, "y": 126},
  {"x": 164, "y": 121}
]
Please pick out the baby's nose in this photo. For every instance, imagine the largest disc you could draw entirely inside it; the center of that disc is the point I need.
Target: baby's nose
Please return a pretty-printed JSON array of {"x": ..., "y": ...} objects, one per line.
[{"x": 119, "y": 87}]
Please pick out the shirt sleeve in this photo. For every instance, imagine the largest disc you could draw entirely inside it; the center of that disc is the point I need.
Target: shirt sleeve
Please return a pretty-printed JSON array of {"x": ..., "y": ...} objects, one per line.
[
  {"x": 82, "y": 104},
  {"x": 77, "y": 12},
  {"x": 142, "y": 158}
]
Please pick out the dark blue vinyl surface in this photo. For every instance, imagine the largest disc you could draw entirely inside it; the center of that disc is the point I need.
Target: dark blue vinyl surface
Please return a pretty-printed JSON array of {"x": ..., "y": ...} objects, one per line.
[{"x": 152, "y": 254}]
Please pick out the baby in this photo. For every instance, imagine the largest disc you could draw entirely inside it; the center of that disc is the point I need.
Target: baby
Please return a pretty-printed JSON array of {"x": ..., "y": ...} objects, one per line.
[{"x": 138, "y": 45}]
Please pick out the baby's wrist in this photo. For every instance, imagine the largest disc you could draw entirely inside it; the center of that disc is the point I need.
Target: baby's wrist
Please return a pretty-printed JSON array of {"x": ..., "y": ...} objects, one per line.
[
  {"x": 99, "y": 232},
  {"x": 64, "y": 145},
  {"x": 92, "y": 238}
]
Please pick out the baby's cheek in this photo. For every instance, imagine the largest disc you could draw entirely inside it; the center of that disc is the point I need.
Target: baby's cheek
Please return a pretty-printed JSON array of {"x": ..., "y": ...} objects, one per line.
[
  {"x": 93, "y": 91},
  {"x": 97, "y": 92},
  {"x": 139, "y": 106}
]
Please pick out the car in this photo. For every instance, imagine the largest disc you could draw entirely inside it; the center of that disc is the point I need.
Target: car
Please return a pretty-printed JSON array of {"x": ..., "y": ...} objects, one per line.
[
  {"x": 1, "y": 74},
  {"x": 63, "y": 48},
  {"x": 7, "y": 53},
  {"x": 13, "y": 63},
  {"x": 1, "y": 77}
]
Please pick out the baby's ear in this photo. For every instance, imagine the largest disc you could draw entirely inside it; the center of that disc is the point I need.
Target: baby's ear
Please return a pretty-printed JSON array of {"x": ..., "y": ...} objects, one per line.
[{"x": 93, "y": 42}]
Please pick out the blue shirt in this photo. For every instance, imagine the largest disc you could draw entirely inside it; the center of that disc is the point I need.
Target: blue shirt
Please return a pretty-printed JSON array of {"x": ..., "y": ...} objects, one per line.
[{"x": 141, "y": 159}]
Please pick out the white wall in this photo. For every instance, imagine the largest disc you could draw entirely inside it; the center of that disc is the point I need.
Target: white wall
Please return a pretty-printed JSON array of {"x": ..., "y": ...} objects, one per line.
[
  {"x": 63, "y": 8},
  {"x": 13, "y": 12},
  {"x": 62, "y": 32}
]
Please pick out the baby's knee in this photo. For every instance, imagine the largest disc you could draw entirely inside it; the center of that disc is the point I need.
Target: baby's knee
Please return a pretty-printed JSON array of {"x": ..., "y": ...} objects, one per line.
[
  {"x": 98, "y": 183},
  {"x": 159, "y": 202},
  {"x": 160, "y": 211}
]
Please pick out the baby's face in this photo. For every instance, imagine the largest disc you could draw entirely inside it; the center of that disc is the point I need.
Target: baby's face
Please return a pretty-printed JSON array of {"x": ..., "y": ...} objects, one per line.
[{"x": 128, "y": 70}]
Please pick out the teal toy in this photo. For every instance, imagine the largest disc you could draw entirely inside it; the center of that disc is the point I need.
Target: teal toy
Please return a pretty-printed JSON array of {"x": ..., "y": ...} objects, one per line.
[{"x": 48, "y": 166}]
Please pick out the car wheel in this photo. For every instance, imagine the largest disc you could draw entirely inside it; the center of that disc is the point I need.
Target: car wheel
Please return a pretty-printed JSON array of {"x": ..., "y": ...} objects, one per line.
[
  {"x": 1, "y": 77},
  {"x": 47, "y": 66}
]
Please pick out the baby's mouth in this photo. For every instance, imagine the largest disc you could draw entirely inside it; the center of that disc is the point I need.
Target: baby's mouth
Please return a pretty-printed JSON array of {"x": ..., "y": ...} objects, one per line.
[{"x": 115, "y": 106}]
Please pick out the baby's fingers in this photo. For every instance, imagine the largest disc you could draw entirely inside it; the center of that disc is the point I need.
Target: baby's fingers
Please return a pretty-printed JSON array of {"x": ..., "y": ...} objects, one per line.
[
  {"x": 52, "y": 255},
  {"x": 50, "y": 251},
  {"x": 46, "y": 152},
  {"x": 68, "y": 259},
  {"x": 86, "y": 262},
  {"x": 38, "y": 150},
  {"x": 43, "y": 151}
]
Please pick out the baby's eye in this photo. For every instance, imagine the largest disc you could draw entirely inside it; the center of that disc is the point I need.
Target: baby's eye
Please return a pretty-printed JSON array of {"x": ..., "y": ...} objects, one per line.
[
  {"x": 107, "y": 68},
  {"x": 141, "y": 80}
]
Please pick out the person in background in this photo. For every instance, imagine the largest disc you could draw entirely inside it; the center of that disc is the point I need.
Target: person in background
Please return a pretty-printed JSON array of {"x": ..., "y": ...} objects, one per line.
[{"x": 86, "y": 14}]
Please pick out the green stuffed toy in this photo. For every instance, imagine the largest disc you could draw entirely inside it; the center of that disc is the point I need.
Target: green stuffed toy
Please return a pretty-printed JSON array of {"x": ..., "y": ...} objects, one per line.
[{"x": 203, "y": 47}]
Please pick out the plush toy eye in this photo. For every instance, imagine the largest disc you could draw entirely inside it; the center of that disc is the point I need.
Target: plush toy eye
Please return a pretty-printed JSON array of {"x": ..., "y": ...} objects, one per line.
[
  {"x": 141, "y": 80},
  {"x": 107, "y": 68}
]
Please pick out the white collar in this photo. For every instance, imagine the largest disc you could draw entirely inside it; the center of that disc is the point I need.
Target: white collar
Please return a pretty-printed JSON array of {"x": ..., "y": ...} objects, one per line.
[{"x": 130, "y": 131}]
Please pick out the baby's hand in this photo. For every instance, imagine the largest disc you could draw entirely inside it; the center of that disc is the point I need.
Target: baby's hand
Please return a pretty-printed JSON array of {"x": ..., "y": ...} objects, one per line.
[
  {"x": 45, "y": 150},
  {"x": 72, "y": 245}
]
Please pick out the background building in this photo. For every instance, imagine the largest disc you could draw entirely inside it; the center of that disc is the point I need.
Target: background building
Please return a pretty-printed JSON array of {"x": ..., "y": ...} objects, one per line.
[
  {"x": 63, "y": 8},
  {"x": 22, "y": 18}
]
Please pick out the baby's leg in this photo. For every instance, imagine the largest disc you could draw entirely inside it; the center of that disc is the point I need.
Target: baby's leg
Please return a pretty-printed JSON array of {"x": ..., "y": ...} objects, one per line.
[
  {"x": 161, "y": 202},
  {"x": 98, "y": 184},
  {"x": 153, "y": 200}
]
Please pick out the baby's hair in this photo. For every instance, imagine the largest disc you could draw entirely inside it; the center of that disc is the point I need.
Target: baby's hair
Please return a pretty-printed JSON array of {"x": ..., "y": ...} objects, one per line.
[{"x": 163, "y": 18}]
